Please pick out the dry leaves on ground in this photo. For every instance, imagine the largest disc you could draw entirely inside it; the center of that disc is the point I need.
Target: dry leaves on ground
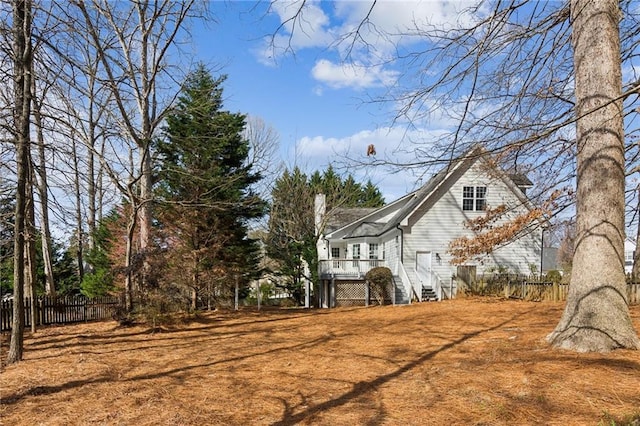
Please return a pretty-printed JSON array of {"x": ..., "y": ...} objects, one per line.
[{"x": 465, "y": 361}]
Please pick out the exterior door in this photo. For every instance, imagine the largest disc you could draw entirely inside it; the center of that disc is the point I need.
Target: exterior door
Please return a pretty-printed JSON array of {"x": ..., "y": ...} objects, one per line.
[{"x": 423, "y": 268}]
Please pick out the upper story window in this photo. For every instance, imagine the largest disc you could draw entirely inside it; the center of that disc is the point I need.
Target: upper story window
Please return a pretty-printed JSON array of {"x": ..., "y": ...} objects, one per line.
[
  {"x": 373, "y": 251},
  {"x": 474, "y": 198},
  {"x": 628, "y": 257}
]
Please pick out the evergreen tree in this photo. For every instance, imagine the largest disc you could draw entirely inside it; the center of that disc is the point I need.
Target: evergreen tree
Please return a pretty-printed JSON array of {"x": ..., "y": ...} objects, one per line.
[
  {"x": 370, "y": 196},
  {"x": 204, "y": 184},
  {"x": 7, "y": 210},
  {"x": 291, "y": 228},
  {"x": 291, "y": 240},
  {"x": 99, "y": 280}
]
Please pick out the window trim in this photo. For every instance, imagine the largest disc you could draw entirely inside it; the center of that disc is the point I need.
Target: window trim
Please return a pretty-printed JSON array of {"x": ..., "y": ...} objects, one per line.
[
  {"x": 374, "y": 255},
  {"x": 356, "y": 259},
  {"x": 336, "y": 257},
  {"x": 474, "y": 198}
]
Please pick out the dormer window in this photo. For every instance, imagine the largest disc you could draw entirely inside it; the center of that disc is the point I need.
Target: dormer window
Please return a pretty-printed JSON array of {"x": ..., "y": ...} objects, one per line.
[{"x": 474, "y": 198}]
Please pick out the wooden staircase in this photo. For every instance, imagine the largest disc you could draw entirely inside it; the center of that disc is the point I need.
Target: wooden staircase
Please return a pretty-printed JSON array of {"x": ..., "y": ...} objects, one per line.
[
  {"x": 429, "y": 295},
  {"x": 401, "y": 296}
]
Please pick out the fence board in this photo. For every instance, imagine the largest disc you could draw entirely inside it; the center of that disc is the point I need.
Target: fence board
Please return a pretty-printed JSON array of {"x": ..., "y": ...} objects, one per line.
[
  {"x": 60, "y": 310},
  {"x": 539, "y": 291}
]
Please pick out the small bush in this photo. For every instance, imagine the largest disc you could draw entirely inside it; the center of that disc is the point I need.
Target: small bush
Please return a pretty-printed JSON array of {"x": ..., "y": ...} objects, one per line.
[
  {"x": 554, "y": 276},
  {"x": 380, "y": 280}
]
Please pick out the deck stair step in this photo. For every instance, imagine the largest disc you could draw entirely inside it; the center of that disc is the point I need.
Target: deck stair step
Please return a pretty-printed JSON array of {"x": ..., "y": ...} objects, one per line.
[
  {"x": 429, "y": 295},
  {"x": 401, "y": 296}
]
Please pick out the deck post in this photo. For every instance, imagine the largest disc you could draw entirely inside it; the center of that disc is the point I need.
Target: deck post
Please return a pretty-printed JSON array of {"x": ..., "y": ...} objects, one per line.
[
  {"x": 307, "y": 293},
  {"x": 367, "y": 293},
  {"x": 332, "y": 293},
  {"x": 237, "y": 293}
]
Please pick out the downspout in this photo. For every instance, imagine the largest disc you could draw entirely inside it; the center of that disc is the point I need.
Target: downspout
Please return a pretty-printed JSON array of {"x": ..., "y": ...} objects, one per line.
[
  {"x": 402, "y": 261},
  {"x": 401, "y": 243}
]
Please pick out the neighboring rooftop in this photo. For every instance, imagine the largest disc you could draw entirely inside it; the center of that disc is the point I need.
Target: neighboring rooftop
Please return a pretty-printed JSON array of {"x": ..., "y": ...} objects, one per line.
[{"x": 521, "y": 180}]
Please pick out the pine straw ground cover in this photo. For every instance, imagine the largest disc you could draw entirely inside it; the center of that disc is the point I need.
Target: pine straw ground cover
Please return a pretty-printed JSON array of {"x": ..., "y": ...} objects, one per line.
[{"x": 466, "y": 361}]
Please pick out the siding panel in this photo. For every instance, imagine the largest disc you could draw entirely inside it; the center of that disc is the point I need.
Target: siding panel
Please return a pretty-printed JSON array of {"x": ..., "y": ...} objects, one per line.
[{"x": 442, "y": 220}]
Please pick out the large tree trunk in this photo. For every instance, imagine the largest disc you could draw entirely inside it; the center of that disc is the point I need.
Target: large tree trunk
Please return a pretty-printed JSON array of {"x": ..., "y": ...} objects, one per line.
[
  {"x": 78, "y": 200},
  {"x": 41, "y": 180},
  {"x": 635, "y": 272},
  {"x": 596, "y": 316},
  {"x": 144, "y": 217},
  {"x": 128, "y": 262},
  {"x": 22, "y": 110},
  {"x": 30, "y": 268}
]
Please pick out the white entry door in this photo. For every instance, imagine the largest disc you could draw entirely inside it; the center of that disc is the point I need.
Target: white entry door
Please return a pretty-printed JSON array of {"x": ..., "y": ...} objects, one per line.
[{"x": 423, "y": 268}]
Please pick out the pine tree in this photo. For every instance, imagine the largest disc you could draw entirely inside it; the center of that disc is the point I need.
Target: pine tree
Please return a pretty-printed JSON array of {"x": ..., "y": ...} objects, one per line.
[
  {"x": 291, "y": 239},
  {"x": 204, "y": 184}
]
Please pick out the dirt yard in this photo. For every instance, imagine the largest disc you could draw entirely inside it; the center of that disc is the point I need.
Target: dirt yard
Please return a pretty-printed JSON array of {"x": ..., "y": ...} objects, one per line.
[{"x": 470, "y": 362}]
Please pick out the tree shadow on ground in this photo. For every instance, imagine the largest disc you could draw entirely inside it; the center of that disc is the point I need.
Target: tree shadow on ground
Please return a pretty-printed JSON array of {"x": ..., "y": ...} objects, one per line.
[
  {"x": 48, "y": 390},
  {"x": 365, "y": 387}
]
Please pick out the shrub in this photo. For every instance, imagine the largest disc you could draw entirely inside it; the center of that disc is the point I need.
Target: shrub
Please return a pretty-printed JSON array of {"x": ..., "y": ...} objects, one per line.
[
  {"x": 554, "y": 276},
  {"x": 379, "y": 279}
]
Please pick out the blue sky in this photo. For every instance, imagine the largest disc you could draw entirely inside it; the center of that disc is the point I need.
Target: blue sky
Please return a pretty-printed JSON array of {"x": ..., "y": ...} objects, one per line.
[{"x": 303, "y": 87}]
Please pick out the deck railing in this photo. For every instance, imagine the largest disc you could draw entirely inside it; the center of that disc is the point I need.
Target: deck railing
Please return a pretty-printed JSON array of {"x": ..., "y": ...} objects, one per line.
[{"x": 348, "y": 267}]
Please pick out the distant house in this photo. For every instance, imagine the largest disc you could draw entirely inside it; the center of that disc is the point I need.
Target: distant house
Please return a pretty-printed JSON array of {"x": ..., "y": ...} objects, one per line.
[
  {"x": 411, "y": 236},
  {"x": 629, "y": 250}
]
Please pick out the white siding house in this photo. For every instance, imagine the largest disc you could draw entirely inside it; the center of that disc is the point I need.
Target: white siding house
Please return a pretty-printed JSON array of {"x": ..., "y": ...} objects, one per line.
[
  {"x": 411, "y": 235},
  {"x": 629, "y": 251}
]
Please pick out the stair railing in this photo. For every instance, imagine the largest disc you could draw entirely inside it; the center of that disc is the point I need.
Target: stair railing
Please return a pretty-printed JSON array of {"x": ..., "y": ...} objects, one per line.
[
  {"x": 437, "y": 284},
  {"x": 409, "y": 287}
]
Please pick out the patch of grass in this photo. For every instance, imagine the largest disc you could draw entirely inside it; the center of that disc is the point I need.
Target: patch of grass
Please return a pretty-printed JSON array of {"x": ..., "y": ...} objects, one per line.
[{"x": 626, "y": 420}]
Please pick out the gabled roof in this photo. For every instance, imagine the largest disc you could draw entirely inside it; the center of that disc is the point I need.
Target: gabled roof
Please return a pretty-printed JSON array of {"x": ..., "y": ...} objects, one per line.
[
  {"x": 340, "y": 217},
  {"x": 366, "y": 229},
  {"x": 417, "y": 198}
]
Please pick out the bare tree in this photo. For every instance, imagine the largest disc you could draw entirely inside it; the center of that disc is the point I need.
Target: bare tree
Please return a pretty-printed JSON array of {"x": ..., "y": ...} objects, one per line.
[
  {"x": 134, "y": 63},
  {"x": 43, "y": 78},
  {"x": 22, "y": 57},
  {"x": 596, "y": 317},
  {"x": 263, "y": 156}
]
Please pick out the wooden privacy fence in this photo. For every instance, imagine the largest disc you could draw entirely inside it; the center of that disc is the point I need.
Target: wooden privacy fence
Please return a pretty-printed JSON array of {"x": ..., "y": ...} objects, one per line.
[
  {"x": 536, "y": 291},
  {"x": 60, "y": 310},
  {"x": 555, "y": 292}
]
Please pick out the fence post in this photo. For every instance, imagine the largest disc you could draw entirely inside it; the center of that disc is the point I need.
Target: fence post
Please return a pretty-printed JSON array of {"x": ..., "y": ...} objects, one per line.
[
  {"x": 507, "y": 290},
  {"x": 236, "y": 294}
]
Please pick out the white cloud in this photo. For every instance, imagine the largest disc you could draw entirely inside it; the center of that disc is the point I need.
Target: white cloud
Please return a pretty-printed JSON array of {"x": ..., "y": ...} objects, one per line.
[
  {"x": 394, "y": 23},
  {"x": 338, "y": 76},
  {"x": 304, "y": 26},
  {"x": 393, "y": 145},
  {"x": 355, "y": 34}
]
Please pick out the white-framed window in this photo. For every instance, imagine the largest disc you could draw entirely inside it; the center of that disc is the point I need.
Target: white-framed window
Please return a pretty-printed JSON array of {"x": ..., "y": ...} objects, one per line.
[
  {"x": 335, "y": 254},
  {"x": 628, "y": 255},
  {"x": 628, "y": 258},
  {"x": 355, "y": 254},
  {"x": 474, "y": 198},
  {"x": 373, "y": 250}
]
